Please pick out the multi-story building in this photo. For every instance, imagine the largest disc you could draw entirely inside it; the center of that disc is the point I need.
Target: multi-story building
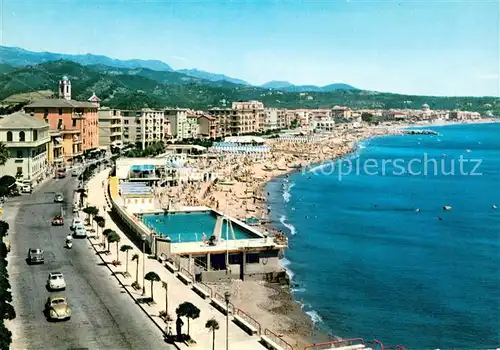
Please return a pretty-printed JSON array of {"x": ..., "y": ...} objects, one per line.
[
  {"x": 110, "y": 127},
  {"x": 250, "y": 117},
  {"x": 273, "y": 117},
  {"x": 341, "y": 114},
  {"x": 183, "y": 123},
  {"x": 77, "y": 120},
  {"x": 144, "y": 127},
  {"x": 26, "y": 138},
  {"x": 223, "y": 118},
  {"x": 207, "y": 127},
  {"x": 54, "y": 149},
  {"x": 464, "y": 115}
]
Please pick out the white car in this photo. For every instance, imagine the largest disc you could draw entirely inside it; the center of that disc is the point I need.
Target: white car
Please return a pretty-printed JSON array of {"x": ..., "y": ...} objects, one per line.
[
  {"x": 56, "y": 281},
  {"x": 76, "y": 222},
  {"x": 26, "y": 188},
  {"x": 80, "y": 232}
]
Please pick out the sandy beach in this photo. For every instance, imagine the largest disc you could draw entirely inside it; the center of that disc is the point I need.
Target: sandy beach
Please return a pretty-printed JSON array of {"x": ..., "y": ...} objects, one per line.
[{"x": 239, "y": 192}]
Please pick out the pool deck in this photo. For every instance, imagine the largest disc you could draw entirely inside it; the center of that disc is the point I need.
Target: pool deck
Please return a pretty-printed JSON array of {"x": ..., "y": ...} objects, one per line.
[{"x": 260, "y": 242}]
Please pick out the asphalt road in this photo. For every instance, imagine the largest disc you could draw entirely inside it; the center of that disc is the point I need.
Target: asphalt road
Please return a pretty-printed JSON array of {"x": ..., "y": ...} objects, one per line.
[{"x": 103, "y": 314}]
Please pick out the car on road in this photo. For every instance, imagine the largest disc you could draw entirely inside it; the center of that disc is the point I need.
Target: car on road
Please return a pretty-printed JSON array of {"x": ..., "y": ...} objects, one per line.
[
  {"x": 76, "y": 222},
  {"x": 27, "y": 188},
  {"x": 56, "y": 281},
  {"x": 61, "y": 173},
  {"x": 57, "y": 308},
  {"x": 58, "y": 198},
  {"x": 35, "y": 256},
  {"x": 80, "y": 232},
  {"x": 75, "y": 172},
  {"x": 58, "y": 220}
]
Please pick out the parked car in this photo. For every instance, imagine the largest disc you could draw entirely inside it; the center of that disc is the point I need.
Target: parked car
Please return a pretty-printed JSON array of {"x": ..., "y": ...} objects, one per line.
[
  {"x": 35, "y": 256},
  {"x": 27, "y": 188},
  {"x": 80, "y": 232},
  {"x": 57, "y": 308},
  {"x": 58, "y": 198},
  {"x": 75, "y": 223},
  {"x": 75, "y": 172},
  {"x": 56, "y": 281},
  {"x": 61, "y": 173},
  {"x": 58, "y": 220}
]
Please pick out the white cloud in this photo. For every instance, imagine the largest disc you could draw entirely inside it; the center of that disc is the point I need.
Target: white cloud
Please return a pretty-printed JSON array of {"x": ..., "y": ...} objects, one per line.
[
  {"x": 179, "y": 58},
  {"x": 493, "y": 76}
]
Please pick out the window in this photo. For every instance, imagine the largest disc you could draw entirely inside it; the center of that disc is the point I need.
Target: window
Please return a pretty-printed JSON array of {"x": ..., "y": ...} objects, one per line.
[
  {"x": 59, "y": 111},
  {"x": 59, "y": 124},
  {"x": 35, "y": 135},
  {"x": 45, "y": 113},
  {"x": 22, "y": 137},
  {"x": 19, "y": 154},
  {"x": 125, "y": 121},
  {"x": 74, "y": 122},
  {"x": 9, "y": 136}
]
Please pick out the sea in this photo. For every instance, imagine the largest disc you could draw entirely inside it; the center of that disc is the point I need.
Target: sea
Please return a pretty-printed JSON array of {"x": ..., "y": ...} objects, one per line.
[{"x": 400, "y": 240}]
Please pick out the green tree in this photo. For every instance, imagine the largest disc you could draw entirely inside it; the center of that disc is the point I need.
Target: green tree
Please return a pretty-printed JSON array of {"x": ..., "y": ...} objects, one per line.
[
  {"x": 105, "y": 234},
  {"x": 188, "y": 310},
  {"x": 135, "y": 258},
  {"x": 125, "y": 248},
  {"x": 4, "y": 228},
  {"x": 152, "y": 277},
  {"x": 91, "y": 211},
  {"x": 212, "y": 325},
  {"x": 4, "y": 153},
  {"x": 367, "y": 117},
  {"x": 7, "y": 181},
  {"x": 101, "y": 224},
  {"x": 113, "y": 237}
]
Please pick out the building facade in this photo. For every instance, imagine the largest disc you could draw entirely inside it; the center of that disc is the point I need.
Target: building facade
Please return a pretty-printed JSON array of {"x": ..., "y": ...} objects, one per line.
[
  {"x": 144, "y": 127},
  {"x": 250, "y": 117},
  {"x": 110, "y": 127},
  {"x": 77, "y": 120},
  {"x": 207, "y": 127},
  {"x": 54, "y": 149},
  {"x": 26, "y": 138}
]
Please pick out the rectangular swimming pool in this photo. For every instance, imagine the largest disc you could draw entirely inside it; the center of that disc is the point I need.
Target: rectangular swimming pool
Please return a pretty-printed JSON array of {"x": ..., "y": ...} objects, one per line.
[{"x": 190, "y": 226}]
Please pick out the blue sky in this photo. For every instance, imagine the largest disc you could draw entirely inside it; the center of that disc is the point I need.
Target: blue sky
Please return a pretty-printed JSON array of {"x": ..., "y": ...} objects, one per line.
[{"x": 419, "y": 47}]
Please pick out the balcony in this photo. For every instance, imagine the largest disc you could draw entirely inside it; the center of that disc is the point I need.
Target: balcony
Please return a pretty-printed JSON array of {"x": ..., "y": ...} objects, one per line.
[
  {"x": 116, "y": 133},
  {"x": 65, "y": 130},
  {"x": 77, "y": 116}
]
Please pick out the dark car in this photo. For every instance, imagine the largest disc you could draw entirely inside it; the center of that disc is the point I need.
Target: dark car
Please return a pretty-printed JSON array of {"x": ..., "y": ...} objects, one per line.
[{"x": 35, "y": 256}]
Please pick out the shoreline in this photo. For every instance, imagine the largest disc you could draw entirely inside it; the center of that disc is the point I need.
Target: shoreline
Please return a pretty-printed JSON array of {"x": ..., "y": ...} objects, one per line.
[{"x": 274, "y": 305}]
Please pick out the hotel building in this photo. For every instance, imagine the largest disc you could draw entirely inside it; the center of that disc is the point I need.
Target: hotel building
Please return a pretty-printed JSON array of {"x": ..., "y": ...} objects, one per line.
[{"x": 76, "y": 120}]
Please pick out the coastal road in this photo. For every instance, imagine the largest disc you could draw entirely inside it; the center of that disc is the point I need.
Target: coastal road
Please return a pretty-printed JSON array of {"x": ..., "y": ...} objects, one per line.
[{"x": 103, "y": 314}]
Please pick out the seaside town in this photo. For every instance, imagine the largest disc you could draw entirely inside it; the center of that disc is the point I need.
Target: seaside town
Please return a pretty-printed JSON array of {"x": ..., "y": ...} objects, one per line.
[{"x": 187, "y": 188}]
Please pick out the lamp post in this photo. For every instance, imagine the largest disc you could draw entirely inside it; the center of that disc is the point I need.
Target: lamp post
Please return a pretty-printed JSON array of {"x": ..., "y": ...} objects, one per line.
[
  {"x": 227, "y": 294},
  {"x": 143, "y": 238}
]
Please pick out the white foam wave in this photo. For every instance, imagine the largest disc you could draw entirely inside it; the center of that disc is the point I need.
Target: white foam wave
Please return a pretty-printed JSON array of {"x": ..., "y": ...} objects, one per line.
[
  {"x": 315, "y": 317},
  {"x": 286, "y": 192},
  {"x": 290, "y": 227},
  {"x": 298, "y": 290},
  {"x": 285, "y": 263}
]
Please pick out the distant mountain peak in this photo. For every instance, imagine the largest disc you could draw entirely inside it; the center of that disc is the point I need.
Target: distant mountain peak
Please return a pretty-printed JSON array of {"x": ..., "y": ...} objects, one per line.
[
  {"x": 211, "y": 76},
  {"x": 276, "y": 84}
]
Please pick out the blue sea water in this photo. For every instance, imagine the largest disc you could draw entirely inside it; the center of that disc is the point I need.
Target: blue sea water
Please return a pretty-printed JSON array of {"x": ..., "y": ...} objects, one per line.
[{"x": 365, "y": 263}]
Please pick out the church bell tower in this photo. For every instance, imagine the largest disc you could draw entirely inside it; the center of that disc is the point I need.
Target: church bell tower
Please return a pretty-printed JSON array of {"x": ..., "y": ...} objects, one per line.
[{"x": 65, "y": 88}]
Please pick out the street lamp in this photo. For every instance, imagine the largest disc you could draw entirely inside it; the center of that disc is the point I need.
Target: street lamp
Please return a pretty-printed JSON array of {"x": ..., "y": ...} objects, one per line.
[
  {"x": 143, "y": 238},
  {"x": 227, "y": 294}
]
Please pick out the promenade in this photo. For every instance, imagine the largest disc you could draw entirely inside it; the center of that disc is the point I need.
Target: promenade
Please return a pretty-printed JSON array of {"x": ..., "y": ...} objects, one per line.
[{"x": 178, "y": 292}]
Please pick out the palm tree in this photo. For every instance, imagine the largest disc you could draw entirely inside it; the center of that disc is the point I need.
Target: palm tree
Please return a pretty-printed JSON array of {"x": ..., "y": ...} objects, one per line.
[
  {"x": 4, "y": 153},
  {"x": 188, "y": 310},
  {"x": 152, "y": 277},
  {"x": 97, "y": 219},
  {"x": 135, "y": 257},
  {"x": 101, "y": 224},
  {"x": 125, "y": 248},
  {"x": 212, "y": 325},
  {"x": 114, "y": 238},
  {"x": 105, "y": 234}
]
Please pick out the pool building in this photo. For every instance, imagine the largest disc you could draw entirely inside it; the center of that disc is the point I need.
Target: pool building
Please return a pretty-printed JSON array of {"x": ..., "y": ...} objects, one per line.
[{"x": 200, "y": 241}]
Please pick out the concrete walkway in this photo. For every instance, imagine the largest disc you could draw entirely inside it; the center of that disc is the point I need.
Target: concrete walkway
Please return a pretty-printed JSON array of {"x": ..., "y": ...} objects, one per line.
[{"x": 178, "y": 292}]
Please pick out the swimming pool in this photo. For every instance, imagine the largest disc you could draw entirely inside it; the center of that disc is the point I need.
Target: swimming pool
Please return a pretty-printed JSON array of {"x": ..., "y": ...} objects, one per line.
[{"x": 190, "y": 226}]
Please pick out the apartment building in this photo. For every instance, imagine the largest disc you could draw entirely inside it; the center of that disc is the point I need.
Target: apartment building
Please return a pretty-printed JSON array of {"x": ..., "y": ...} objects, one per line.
[
  {"x": 463, "y": 115},
  {"x": 77, "y": 120},
  {"x": 223, "y": 121},
  {"x": 144, "y": 127},
  {"x": 55, "y": 154},
  {"x": 180, "y": 126},
  {"x": 110, "y": 127},
  {"x": 275, "y": 118},
  {"x": 250, "y": 117},
  {"x": 207, "y": 127},
  {"x": 26, "y": 138},
  {"x": 341, "y": 114}
]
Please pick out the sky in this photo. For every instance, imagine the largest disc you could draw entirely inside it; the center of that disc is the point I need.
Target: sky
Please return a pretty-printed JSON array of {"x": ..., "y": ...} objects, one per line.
[{"x": 426, "y": 47}]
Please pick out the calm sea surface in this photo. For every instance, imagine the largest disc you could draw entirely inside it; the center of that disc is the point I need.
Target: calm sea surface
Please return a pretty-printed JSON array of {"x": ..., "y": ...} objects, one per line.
[{"x": 374, "y": 255}]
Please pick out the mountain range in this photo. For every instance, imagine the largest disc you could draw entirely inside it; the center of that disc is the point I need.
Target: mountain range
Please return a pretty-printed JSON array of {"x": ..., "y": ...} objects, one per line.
[
  {"x": 132, "y": 85},
  {"x": 18, "y": 57}
]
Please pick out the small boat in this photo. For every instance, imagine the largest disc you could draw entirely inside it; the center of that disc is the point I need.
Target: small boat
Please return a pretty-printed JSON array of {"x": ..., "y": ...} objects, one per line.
[{"x": 447, "y": 208}]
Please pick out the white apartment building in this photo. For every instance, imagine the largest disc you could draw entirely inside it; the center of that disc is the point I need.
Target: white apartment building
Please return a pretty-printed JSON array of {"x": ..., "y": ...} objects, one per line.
[
  {"x": 110, "y": 127},
  {"x": 250, "y": 117},
  {"x": 27, "y": 140},
  {"x": 274, "y": 118},
  {"x": 180, "y": 126},
  {"x": 144, "y": 127}
]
